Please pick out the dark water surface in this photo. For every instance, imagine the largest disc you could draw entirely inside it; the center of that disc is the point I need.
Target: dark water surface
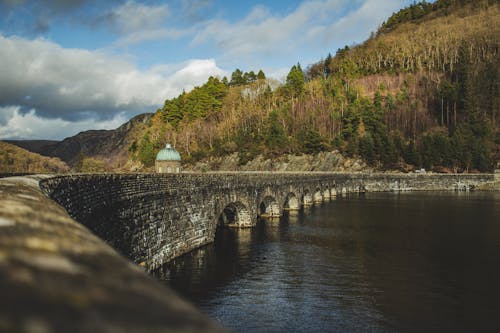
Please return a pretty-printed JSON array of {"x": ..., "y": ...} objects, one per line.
[{"x": 382, "y": 262}]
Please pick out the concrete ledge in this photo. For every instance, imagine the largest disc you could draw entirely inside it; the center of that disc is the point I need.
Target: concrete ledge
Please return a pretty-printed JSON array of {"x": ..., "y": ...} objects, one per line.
[{"x": 56, "y": 276}]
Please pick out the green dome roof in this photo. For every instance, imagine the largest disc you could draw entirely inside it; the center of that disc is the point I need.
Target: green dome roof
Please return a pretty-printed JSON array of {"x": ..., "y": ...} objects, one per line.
[{"x": 168, "y": 154}]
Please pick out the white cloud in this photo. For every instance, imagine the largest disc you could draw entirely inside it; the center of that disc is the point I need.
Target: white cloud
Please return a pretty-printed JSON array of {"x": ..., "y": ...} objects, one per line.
[
  {"x": 132, "y": 17},
  {"x": 260, "y": 32},
  {"x": 356, "y": 25},
  {"x": 31, "y": 126},
  {"x": 192, "y": 8},
  {"x": 76, "y": 84},
  {"x": 66, "y": 82},
  {"x": 278, "y": 73},
  {"x": 138, "y": 37},
  {"x": 312, "y": 25},
  {"x": 6, "y": 113},
  {"x": 137, "y": 23}
]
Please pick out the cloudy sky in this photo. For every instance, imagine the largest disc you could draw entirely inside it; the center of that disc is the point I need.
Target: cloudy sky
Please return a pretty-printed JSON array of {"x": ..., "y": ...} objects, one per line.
[{"x": 72, "y": 65}]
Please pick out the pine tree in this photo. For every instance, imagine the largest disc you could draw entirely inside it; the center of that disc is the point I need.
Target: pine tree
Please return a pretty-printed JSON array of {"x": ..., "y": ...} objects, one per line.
[
  {"x": 237, "y": 78},
  {"x": 326, "y": 65},
  {"x": 146, "y": 153},
  {"x": 261, "y": 75},
  {"x": 295, "y": 80}
]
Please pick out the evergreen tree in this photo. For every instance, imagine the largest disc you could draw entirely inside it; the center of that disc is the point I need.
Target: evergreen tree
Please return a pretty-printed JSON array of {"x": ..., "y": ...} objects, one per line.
[
  {"x": 276, "y": 138},
  {"x": 295, "y": 80},
  {"x": 411, "y": 155},
  {"x": 249, "y": 77},
  {"x": 147, "y": 154},
  {"x": 261, "y": 75},
  {"x": 237, "y": 78},
  {"x": 367, "y": 148},
  {"x": 311, "y": 141},
  {"x": 326, "y": 65}
]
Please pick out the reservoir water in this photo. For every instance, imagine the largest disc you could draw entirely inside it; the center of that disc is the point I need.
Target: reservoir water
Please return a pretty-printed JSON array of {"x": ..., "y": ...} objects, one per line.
[{"x": 379, "y": 262}]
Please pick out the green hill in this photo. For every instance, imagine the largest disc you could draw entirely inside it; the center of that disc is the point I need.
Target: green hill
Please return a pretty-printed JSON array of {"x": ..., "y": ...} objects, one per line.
[{"x": 14, "y": 159}]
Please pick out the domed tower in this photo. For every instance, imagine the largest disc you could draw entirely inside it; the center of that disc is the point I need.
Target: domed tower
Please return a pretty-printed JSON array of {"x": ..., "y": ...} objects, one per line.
[{"x": 168, "y": 160}]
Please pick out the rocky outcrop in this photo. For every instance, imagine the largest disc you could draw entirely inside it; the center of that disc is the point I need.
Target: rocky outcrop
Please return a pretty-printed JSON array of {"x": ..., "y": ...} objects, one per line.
[{"x": 323, "y": 161}]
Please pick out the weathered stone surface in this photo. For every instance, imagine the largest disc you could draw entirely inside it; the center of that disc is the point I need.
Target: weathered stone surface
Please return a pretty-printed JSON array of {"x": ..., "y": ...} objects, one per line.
[
  {"x": 152, "y": 218},
  {"x": 323, "y": 161},
  {"x": 56, "y": 276}
]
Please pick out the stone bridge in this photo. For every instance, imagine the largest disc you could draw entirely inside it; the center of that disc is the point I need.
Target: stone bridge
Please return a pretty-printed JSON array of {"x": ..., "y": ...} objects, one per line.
[{"x": 152, "y": 218}]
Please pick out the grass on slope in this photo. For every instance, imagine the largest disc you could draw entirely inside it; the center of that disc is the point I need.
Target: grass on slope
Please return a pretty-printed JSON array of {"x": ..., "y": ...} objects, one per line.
[{"x": 14, "y": 159}]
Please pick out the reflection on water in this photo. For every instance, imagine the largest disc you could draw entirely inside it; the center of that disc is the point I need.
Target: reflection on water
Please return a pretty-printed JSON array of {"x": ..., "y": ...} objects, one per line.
[{"x": 407, "y": 262}]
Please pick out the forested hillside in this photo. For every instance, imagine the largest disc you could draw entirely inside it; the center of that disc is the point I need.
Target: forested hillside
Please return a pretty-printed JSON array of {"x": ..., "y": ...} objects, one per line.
[{"x": 423, "y": 91}]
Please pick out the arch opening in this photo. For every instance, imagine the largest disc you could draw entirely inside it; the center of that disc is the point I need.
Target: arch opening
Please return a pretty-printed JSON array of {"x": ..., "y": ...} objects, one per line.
[
  {"x": 318, "y": 196},
  {"x": 333, "y": 192},
  {"x": 307, "y": 198},
  {"x": 327, "y": 194},
  {"x": 269, "y": 207},
  {"x": 235, "y": 215},
  {"x": 292, "y": 202}
]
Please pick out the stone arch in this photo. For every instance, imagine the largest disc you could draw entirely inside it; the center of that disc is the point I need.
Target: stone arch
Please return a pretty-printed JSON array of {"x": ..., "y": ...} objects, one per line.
[
  {"x": 235, "y": 215},
  {"x": 291, "y": 202},
  {"x": 307, "y": 198},
  {"x": 318, "y": 196},
  {"x": 333, "y": 191},
  {"x": 326, "y": 193},
  {"x": 269, "y": 207}
]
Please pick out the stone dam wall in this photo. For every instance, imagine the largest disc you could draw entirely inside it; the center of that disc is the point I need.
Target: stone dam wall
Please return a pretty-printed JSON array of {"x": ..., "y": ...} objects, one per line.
[
  {"x": 56, "y": 276},
  {"x": 153, "y": 218}
]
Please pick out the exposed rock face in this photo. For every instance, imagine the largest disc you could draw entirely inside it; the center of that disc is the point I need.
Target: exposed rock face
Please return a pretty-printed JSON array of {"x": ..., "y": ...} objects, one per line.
[{"x": 323, "y": 161}]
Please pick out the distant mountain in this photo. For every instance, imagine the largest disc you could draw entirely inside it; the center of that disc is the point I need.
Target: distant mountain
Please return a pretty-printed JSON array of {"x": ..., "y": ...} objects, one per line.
[
  {"x": 36, "y": 146},
  {"x": 109, "y": 146},
  {"x": 18, "y": 160}
]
